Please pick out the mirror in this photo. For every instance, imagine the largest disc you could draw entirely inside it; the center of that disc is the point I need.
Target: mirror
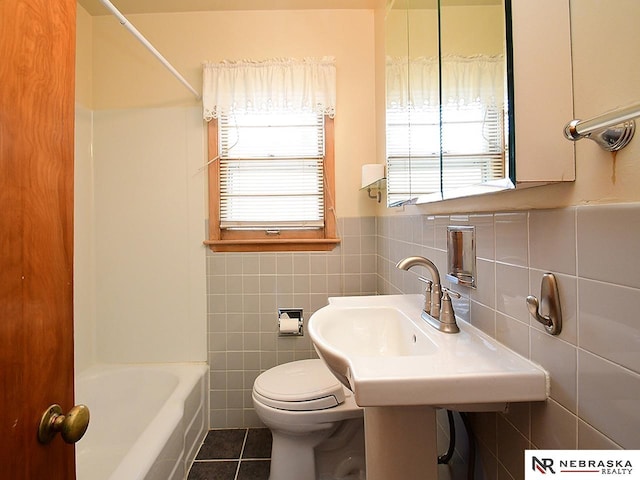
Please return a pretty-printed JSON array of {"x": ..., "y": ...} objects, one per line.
[
  {"x": 448, "y": 128},
  {"x": 413, "y": 100}
]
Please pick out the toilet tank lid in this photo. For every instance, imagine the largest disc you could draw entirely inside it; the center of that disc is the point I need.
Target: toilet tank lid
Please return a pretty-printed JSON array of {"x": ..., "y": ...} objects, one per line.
[{"x": 299, "y": 381}]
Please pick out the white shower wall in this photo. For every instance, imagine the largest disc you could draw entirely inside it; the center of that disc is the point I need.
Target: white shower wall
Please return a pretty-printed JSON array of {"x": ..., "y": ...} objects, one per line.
[
  {"x": 141, "y": 232},
  {"x": 84, "y": 261}
]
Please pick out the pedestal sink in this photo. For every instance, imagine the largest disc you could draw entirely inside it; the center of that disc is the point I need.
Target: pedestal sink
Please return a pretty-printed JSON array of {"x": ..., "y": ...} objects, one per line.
[{"x": 401, "y": 369}]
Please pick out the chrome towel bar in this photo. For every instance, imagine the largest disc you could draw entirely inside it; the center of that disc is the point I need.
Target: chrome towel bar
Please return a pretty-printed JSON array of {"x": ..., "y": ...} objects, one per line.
[{"x": 612, "y": 131}]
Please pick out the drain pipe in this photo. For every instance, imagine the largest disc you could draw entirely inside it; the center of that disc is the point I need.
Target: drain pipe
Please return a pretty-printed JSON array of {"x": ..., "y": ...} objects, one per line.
[
  {"x": 446, "y": 457},
  {"x": 126, "y": 24}
]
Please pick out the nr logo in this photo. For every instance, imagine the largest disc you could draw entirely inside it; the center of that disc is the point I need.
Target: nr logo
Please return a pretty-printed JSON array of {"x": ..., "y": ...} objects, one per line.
[{"x": 542, "y": 465}]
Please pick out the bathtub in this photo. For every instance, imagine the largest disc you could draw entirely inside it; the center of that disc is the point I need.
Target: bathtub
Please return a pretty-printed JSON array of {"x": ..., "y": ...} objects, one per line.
[{"x": 147, "y": 422}]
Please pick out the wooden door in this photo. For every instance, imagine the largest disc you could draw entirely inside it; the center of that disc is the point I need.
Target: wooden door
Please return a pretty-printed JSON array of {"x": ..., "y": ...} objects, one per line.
[{"x": 37, "y": 55}]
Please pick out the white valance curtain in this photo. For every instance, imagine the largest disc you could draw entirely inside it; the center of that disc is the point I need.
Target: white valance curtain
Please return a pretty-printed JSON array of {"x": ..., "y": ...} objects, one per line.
[
  {"x": 465, "y": 81},
  {"x": 281, "y": 84}
]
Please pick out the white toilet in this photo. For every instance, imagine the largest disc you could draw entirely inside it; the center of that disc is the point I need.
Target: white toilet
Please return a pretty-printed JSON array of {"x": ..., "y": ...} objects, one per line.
[{"x": 317, "y": 428}]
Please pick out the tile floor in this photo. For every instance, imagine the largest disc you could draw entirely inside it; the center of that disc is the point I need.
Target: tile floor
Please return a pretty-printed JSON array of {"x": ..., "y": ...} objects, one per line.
[{"x": 233, "y": 454}]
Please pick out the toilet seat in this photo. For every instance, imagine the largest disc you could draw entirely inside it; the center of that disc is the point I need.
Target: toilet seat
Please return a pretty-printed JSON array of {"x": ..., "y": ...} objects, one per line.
[{"x": 302, "y": 385}]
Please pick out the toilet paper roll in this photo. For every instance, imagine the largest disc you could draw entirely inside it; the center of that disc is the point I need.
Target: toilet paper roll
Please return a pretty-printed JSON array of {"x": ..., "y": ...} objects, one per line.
[{"x": 288, "y": 326}]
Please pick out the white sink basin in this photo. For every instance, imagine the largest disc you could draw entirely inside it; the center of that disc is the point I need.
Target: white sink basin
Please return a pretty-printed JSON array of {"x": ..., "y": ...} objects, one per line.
[{"x": 381, "y": 349}]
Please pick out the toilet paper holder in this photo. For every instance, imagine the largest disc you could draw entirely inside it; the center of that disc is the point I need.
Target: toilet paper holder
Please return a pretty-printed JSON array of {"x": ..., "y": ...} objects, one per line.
[{"x": 290, "y": 322}]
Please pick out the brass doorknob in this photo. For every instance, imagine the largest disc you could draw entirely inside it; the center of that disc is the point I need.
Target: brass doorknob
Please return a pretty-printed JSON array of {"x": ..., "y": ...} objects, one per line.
[{"x": 71, "y": 426}]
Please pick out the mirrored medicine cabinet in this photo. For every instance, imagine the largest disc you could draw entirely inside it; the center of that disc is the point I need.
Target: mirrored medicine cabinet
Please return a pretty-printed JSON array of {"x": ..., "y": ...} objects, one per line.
[{"x": 477, "y": 96}]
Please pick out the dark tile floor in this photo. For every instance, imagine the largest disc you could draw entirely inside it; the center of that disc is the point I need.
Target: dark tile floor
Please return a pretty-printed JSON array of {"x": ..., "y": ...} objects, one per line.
[{"x": 234, "y": 454}]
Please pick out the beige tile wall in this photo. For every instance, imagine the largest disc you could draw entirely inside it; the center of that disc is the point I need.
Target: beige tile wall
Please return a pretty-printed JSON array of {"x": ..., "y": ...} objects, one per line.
[
  {"x": 594, "y": 363},
  {"x": 244, "y": 294}
]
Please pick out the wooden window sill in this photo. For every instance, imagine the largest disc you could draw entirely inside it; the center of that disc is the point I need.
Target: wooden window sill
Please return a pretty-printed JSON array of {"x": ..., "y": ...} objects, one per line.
[{"x": 273, "y": 245}]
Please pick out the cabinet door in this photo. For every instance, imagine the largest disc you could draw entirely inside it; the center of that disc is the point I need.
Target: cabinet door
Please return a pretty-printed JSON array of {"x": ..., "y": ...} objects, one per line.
[
  {"x": 490, "y": 53},
  {"x": 543, "y": 91},
  {"x": 412, "y": 101},
  {"x": 475, "y": 111}
]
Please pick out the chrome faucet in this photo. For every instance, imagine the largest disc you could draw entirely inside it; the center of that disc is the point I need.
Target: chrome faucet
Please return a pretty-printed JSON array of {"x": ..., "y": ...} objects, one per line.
[
  {"x": 433, "y": 304},
  {"x": 434, "y": 296}
]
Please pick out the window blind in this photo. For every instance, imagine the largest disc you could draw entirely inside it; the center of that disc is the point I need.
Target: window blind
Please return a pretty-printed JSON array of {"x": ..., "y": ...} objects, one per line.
[
  {"x": 413, "y": 153},
  {"x": 472, "y": 145},
  {"x": 472, "y": 149},
  {"x": 271, "y": 171}
]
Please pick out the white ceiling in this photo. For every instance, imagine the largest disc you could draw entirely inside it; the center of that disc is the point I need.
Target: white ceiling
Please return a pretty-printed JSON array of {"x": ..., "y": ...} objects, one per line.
[{"x": 94, "y": 7}]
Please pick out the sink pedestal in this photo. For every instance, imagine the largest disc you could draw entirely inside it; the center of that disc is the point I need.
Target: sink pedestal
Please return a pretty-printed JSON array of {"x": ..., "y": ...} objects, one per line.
[{"x": 400, "y": 443}]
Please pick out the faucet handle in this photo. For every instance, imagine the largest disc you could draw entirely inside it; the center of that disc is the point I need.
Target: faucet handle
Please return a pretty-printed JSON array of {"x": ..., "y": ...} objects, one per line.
[
  {"x": 427, "y": 293},
  {"x": 448, "y": 316},
  {"x": 450, "y": 293}
]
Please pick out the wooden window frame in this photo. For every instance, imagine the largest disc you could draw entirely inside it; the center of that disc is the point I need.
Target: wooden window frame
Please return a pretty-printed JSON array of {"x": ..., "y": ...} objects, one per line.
[{"x": 224, "y": 240}]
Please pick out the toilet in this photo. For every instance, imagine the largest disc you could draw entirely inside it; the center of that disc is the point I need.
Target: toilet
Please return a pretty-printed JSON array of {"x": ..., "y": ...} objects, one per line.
[{"x": 317, "y": 428}]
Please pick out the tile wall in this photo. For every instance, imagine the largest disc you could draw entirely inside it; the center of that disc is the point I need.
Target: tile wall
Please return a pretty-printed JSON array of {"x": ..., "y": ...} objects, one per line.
[
  {"x": 594, "y": 363},
  {"x": 245, "y": 291}
]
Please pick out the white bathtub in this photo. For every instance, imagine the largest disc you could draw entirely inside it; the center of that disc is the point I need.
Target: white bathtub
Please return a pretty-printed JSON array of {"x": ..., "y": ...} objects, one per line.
[{"x": 147, "y": 422}]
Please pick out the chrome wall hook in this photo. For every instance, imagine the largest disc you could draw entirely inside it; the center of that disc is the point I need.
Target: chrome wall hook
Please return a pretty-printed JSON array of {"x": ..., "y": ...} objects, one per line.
[
  {"x": 550, "y": 302},
  {"x": 378, "y": 194}
]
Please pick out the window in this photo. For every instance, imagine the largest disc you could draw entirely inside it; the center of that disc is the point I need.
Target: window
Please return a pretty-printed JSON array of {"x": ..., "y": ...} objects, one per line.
[
  {"x": 481, "y": 157},
  {"x": 271, "y": 186},
  {"x": 433, "y": 148},
  {"x": 271, "y": 159},
  {"x": 413, "y": 149},
  {"x": 413, "y": 154}
]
